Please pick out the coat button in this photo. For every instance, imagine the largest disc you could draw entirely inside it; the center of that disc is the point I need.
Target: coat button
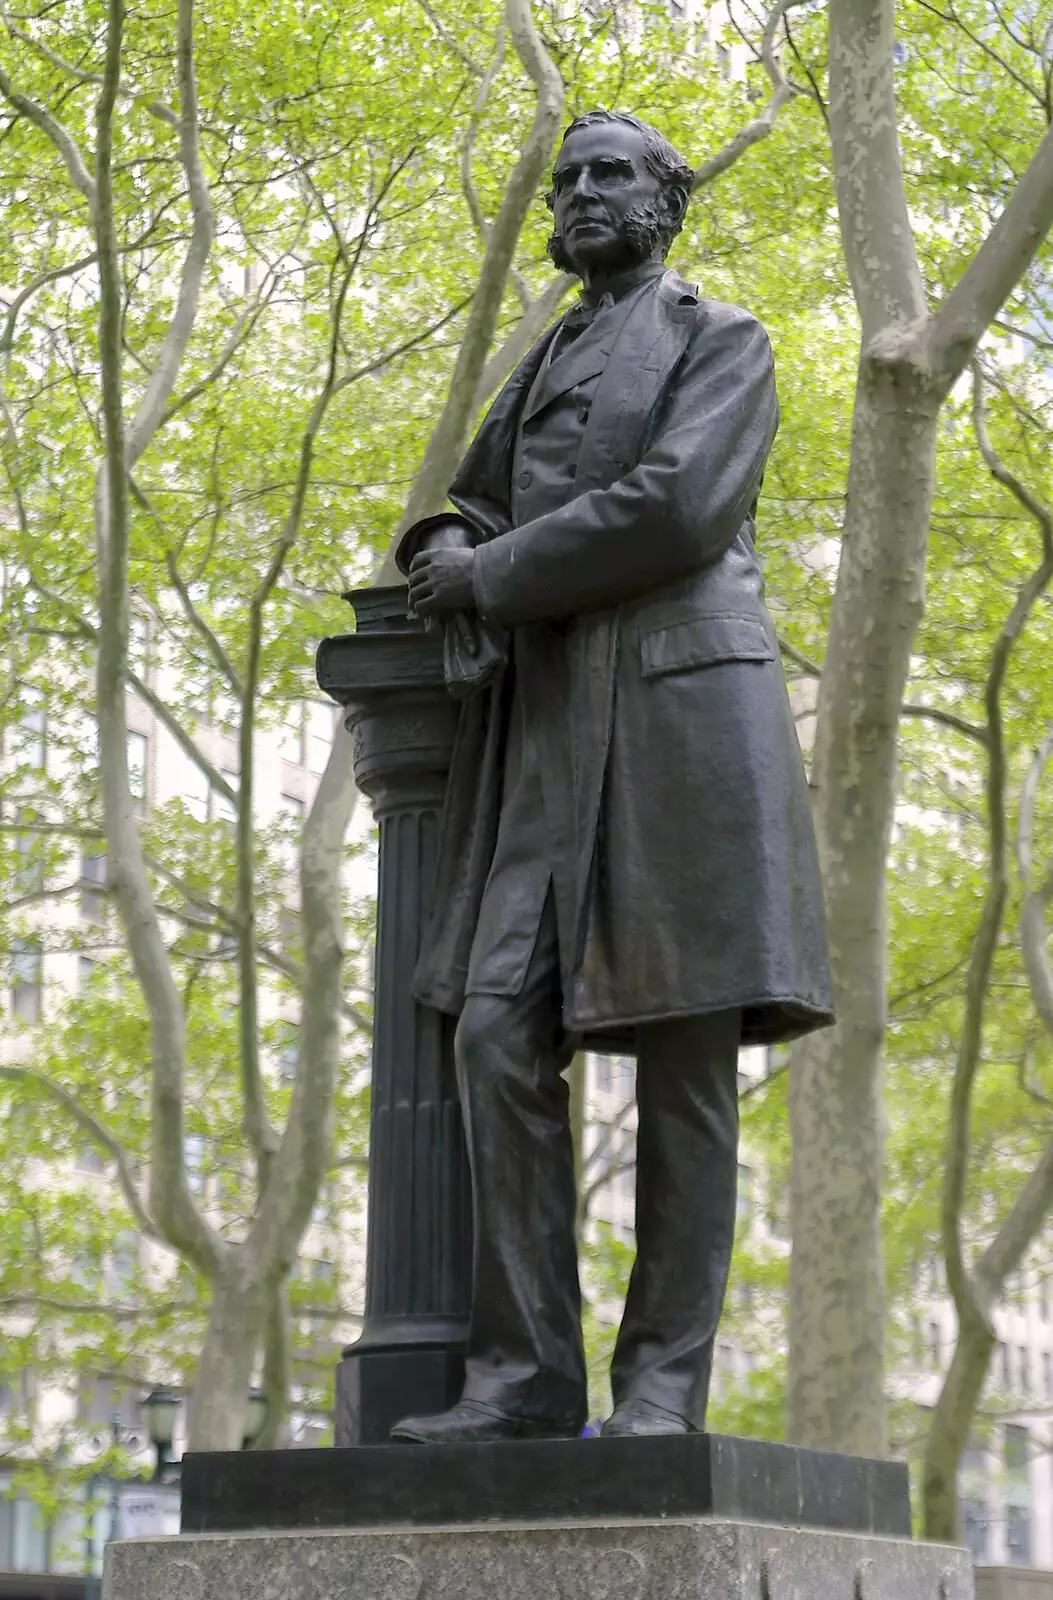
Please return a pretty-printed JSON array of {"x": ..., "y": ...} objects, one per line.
[{"x": 525, "y": 480}]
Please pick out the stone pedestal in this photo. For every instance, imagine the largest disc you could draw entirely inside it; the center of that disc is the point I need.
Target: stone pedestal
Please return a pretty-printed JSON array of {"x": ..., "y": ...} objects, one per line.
[
  {"x": 1013, "y": 1583},
  {"x": 544, "y": 1480},
  {"x": 410, "y": 1358},
  {"x": 685, "y": 1560}
]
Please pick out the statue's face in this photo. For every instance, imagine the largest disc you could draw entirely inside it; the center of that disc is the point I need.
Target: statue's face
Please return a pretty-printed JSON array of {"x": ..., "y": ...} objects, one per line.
[{"x": 601, "y": 183}]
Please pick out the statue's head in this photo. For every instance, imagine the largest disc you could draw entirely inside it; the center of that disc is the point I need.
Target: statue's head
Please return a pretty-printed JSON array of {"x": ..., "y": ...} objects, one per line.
[{"x": 618, "y": 197}]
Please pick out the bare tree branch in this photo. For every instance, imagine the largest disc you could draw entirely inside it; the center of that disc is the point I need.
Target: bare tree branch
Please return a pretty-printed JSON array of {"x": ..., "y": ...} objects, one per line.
[
  {"x": 174, "y": 1208},
  {"x": 947, "y": 719},
  {"x": 996, "y": 268},
  {"x": 152, "y": 406},
  {"x": 448, "y": 435},
  {"x": 783, "y": 91},
  {"x": 531, "y": 325},
  {"x": 42, "y": 279},
  {"x": 239, "y": 334},
  {"x": 114, "y": 1312},
  {"x": 96, "y": 1130},
  {"x": 868, "y": 175},
  {"x": 57, "y": 132},
  {"x": 482, "y": 227},
  {"x": 972, "y": 1293},
  {"x": 215, "y": 649},
  {"x": 448, "y": 39},
  {"x": 156, "y": 108},
  {"x": 301, "y": 1162},
  {"x": 1034, "y": 935}
]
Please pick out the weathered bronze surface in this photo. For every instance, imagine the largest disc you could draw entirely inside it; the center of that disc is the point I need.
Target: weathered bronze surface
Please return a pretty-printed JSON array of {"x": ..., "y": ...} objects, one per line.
[{"x": 626, "y": 855}]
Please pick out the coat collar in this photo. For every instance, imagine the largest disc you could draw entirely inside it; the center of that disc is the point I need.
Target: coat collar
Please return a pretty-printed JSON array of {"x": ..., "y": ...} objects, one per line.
[{"x": 653, "y": 339}]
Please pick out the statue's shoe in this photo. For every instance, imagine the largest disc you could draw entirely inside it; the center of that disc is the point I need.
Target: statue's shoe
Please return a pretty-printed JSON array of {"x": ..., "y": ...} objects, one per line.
[
  {"x": 468, "y": 1422},
  {"x": 637, "y": 1419}
]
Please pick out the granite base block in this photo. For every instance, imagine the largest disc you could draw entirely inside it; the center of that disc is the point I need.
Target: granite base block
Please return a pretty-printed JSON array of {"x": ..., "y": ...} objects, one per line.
[
  {"x": 539, "y": 1481},
  {"x": 1013, "y": 1583},
  {"x": 685, "y": 1560}
]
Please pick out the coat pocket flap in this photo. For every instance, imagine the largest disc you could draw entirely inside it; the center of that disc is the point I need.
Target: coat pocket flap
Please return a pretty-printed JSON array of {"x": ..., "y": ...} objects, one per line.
[{"x": 702, "y": 642}]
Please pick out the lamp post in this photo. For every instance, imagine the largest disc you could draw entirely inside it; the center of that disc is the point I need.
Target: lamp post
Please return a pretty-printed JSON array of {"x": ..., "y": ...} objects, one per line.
[{"x": 160, "y": 1409}]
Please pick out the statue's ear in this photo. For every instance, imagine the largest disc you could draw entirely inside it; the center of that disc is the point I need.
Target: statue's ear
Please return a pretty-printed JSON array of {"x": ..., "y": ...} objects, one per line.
[{"x": 676, "y": 203}]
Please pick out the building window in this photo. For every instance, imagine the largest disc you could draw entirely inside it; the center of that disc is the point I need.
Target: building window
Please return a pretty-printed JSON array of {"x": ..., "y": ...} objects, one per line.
[
  {"x": 222, "y": 810},
  {"x": 1043, "y": 1299},
  {"x": 1047, "y": 1375},
  {"x": 973, "y": 1500},
  {"x": 292, "y": 736},
  {"x": 975, "y": 1522},
  {"x": 137, "y": 753},
  {"x": 124, "y": 1264},
  {"x": 29, "y": 874},
  {"x": 917, "y": 1343},
  {"x": 1024, "y": 1368},
  {"x": 31, "y": 739},
  {"x": 139, "y": 644},
  {"x": 1018, "y": 1535},
  {"x": 86, "y": 968},
  {"x": 195, "y": 792},
  {"x": 93, "y": 882},
  {"x": 291, "y": 813},
  {"x": 289, "y": 1052},
  {"x": 935, "y": 1344},
  {"x": 625, "y": 1175},
  {"x": 26, "y": 984},
  {"x": 194, "y": 1156},
  {"x": 744, "y": 1199},
  {"x": 1018, "y": 1494},
  {"x": 1004, "y": 1376},
  {"x": 604, "y": 1076},
  {"x": 779, "y": 1212},
  {"x": 320, "y": 728}
]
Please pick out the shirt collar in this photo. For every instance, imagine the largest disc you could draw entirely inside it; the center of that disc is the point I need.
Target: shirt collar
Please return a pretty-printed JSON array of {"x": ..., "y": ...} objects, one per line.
[{"x": 607, "y": 291}]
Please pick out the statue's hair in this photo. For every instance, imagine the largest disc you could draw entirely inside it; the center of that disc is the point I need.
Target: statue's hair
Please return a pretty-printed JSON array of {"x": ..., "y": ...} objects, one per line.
[{"x": 663, "y": 160}]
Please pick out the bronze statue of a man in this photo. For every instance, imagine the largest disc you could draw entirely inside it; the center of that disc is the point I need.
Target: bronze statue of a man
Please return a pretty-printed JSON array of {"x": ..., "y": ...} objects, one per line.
[{"x": 627, "y": 858}]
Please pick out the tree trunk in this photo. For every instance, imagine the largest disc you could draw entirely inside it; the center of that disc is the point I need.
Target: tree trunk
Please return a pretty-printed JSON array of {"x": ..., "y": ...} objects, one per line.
[
  {"x": 837, "y": 1309},
  {"x": 219, "y": 1399},
  {"x": 949, "y": 1432}
]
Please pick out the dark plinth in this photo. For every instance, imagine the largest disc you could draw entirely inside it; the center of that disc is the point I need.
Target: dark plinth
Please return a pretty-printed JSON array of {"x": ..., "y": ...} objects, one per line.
[
  {"x": 388, "y": 676},
  {"x": 691, "y": 1475}
]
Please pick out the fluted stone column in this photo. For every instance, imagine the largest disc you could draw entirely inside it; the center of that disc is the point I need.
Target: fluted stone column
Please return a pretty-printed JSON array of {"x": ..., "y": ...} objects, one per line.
[{"x": 410, "y": 1358}]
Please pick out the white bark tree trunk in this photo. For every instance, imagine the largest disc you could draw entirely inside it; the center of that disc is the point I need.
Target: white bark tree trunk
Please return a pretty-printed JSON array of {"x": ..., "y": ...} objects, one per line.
[
  {"x": 836, "y": 1286},
  {"x": 217, "y": 1408},
  {"x": 909, "y": 361}
]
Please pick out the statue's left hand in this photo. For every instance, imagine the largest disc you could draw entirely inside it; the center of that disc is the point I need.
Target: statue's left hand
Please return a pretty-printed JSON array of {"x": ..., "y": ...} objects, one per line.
[{"x": 440, "y": 582}]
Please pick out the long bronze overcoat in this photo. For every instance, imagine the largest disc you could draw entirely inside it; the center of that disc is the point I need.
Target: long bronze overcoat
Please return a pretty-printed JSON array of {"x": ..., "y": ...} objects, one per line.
[{"x": 691, "y": 851}]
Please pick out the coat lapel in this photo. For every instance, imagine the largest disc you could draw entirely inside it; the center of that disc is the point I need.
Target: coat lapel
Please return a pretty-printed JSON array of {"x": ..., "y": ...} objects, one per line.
[
  {"x": 484, "y": 477},
  {"x": 651, "y": 343},
  {"x": 586, "y": 357}
]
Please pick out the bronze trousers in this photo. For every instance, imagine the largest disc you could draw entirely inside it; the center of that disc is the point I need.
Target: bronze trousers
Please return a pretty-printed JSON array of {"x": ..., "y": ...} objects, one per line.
[{"x": 525, "y": 1351}]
